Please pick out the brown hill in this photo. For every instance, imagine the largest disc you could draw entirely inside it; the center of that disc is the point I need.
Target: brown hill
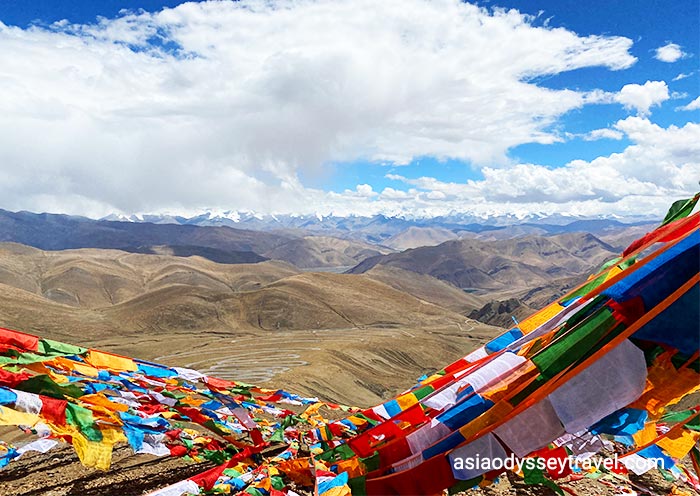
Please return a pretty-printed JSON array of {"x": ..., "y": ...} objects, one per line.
[
  {"x": 413, "y": 237},
  {"x": 427, "y": 288},
  {"x": 621, "y": 237},
  {"x": 324, "y": 251},
  {"x": 93, "y": 278},
  {"x": 502, "y": 264},
  {"x": 258, "y": 322}
]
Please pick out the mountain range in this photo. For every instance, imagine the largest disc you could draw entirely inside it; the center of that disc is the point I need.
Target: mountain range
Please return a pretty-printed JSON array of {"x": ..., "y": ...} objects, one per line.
[
  {"x": 504, "y": 270},
  {"x": 232, "y": 242},
  {"x": 379, "y": 228}
]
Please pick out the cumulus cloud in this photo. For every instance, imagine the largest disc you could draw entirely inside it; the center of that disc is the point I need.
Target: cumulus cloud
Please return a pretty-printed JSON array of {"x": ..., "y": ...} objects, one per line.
[
  {"x": 660, "y": 165},
  {"x": 641, "y": 97},
  {"x": 365, "y": 191},
  {"x": 669, "y": 53},
  {"x": 694, "y": 105},
  {"x": 222, "y": 103}
]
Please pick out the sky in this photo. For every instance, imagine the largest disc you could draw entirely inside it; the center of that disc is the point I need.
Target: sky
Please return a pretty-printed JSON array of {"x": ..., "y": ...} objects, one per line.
[{"x": 401, "y": 107}]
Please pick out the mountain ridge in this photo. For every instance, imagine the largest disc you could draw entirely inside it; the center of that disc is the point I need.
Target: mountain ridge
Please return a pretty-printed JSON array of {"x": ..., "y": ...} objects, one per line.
[{"x": 469, "y": 262}]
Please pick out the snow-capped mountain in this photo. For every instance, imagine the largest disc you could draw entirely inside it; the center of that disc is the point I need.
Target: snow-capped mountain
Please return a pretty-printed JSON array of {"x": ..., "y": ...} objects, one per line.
[{"x": 317, "y": 223}]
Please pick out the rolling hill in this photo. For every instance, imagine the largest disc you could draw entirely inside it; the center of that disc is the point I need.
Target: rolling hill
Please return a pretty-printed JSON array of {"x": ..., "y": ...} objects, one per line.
[
  {"x": 324, "y": 251},
  {"x": 414, "y": 237},
  {"x": 247, "y": 321},
  {"x": 499, "y": 265}
]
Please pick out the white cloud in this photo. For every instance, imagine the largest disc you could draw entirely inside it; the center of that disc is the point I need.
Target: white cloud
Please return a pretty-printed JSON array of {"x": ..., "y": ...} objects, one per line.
[
  {"x": 220, "y": 104},
  {"x": 694, "y": 105},
  {"x": 395, "y": 194},
  {"x": 660, "y": 165},
  {"x": 669, "y": 53},
  {"x": 435, "y": 195},
  {"x": 365, "y": 191},
  {"x": 605, "y": 133},
  {"x": 641, "y": 97},
  {"x": 683, "y": 75}
]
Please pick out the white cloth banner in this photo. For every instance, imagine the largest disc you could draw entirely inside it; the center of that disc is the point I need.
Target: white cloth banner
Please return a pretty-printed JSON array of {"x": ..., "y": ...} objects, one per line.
[
  {"x": 638, "y": 464},
  {"x": 40, "y": 445},
  {"x": 182, "y": 487},
  {"x": 126, "y": 398},
  {"x": 480, "y": 379},
  {"x": 531, "y": 430},
  {"x": 582, "y": 444},
  {"x": 188, "y": 374},
  {"x": 477, "y": 458},
  {"x": 494, "y": 371},
  {"x": 381, "y": 411},
  {"x": 614, "y": 381},
  {"x": 28, "y": 402},
  {"x": 153, "y": 445},
  {"x": 163, "y": 399},
  {"x": 426, "y": 436},
  {"x": 477, "y": 354}
]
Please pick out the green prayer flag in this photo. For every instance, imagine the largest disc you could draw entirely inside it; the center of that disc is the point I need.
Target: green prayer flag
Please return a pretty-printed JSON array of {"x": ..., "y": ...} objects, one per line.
[
  {"x": 575, "y": 344},
  {"x": 215, "y": 456},
  {"x": 676, "y": 417},
  {"x": 231, "y": 472},
  {"x": 16, "y": 358},
  {"x": 371, "y": 463},
  {"x": 277, "y": 436},
  {"x": 277, "y": 482},
  {"x": 694, "y": 424},
  {"x": 342, "y": 452},
  {"x": 667, "y": 475},
  {"x": 43, "y": 384},
  {"x": 358, "y": 485},
  {"x": 680, "y": 209},
  {"x": 423, "y": 391},
  {"x": 290, "y": 420},
  {"x": 82, "y": 418},
  {"x": 371, "y": 422},
  {"x": 55, "y": 348},
  {"x": 174, "y": 395},
  {"x": 534, "y": 475}
]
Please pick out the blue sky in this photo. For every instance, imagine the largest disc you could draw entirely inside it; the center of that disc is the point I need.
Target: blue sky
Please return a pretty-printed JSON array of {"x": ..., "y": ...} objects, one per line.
[{"x": 321, "y": 118}]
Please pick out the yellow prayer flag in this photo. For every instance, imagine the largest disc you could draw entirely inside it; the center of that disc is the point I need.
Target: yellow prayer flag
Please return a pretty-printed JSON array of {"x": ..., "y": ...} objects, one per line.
[
  {"x": 679, "y": 443},
  {"x": 8, "y": 416},
  {"x": 534, "y": 321},
  {"x": 71, "y": 365},
  {"x": 91, "y": 453},
  {"x": 666, "y": 386},
  {"x": 108, "y": 361},
  {"x": 646, "y": 435},
  {"x": 100, "y": 399},
  {"x": 113, "y": 435},
  {"x": 338, "y": 491},
  {"x": 407, "y": 400}
]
